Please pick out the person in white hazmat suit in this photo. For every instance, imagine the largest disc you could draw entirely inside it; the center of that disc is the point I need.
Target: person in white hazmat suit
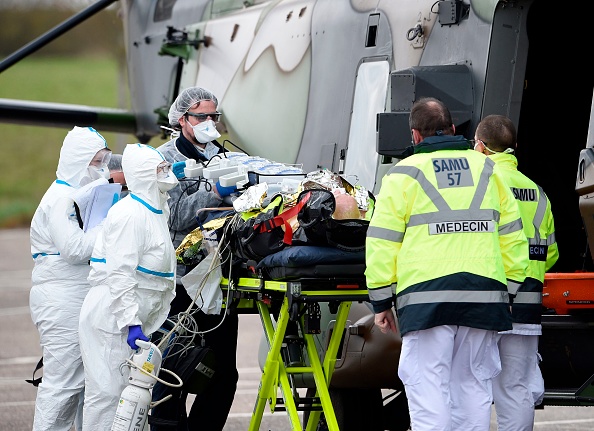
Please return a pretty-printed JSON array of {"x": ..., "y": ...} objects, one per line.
[
  {"x": 132, "y": 282},
  {"x": 61, "y": 252}
]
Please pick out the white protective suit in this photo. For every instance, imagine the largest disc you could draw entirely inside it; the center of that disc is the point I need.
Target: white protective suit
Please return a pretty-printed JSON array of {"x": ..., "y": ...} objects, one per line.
[
  {"x": 61, "y": 252},
  {"x": 132, "y": 283}
]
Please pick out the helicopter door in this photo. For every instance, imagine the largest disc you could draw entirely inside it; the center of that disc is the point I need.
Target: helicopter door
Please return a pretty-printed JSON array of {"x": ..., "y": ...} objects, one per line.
[{"x": 371, "y": 89}]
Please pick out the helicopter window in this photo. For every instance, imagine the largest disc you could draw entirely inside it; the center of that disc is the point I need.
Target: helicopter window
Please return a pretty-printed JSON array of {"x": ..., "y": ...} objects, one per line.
[
  {"x": 163, "y": 10},
  {"x": 223, "y": 7},
  {"x": 372, "y": 24}
]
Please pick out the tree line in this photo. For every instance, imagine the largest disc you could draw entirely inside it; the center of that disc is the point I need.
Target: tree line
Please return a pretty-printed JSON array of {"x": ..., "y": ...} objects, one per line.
[{"x": 100, "y": 34}]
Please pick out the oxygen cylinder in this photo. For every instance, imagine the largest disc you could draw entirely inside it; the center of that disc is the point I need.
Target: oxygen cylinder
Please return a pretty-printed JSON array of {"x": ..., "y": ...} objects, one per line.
[
  {"x": 133, "y": 408},
  {"x": 135, "y": 400}
]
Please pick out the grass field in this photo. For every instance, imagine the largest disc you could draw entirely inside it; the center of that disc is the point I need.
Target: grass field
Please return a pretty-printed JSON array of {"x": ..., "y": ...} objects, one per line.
[{"x": 30, "y": 153}]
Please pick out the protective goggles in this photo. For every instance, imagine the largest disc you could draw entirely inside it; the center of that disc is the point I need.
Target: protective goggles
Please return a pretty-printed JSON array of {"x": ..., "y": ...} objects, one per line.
[
  {"x": 214, "y": 116},
  {"x": 102, "y": 158},
  {"x": 163, "y": 170}
]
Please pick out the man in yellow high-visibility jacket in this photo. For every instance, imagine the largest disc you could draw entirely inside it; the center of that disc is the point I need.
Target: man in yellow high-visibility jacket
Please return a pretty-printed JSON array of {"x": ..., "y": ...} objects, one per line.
[
  {"x": 520, "y": 386},
  {"x": 446, "y": 234}
]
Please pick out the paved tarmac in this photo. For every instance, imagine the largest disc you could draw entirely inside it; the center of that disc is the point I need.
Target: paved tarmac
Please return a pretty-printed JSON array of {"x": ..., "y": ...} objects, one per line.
[{"x": 20, "y": 352}]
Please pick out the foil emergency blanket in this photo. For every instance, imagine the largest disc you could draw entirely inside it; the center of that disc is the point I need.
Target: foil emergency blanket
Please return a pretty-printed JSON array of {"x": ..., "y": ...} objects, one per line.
[{"x": 190, "y": 251}]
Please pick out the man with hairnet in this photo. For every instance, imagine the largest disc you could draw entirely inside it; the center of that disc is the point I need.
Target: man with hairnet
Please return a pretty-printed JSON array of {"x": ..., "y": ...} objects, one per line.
[
  {"x": 194, "y": 113},
  {"x": 61, "y": 251},
  {"x": 132, "y": 282}
]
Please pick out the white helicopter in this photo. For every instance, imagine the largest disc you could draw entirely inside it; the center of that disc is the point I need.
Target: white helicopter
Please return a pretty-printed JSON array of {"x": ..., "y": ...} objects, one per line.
[{"x": 329, "y": 84}]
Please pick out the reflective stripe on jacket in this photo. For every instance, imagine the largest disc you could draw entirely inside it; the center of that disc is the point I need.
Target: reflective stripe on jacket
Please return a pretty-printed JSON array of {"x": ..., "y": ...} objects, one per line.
[
  {"x": 539, "y": 227},
  {"x": 446, "y": 231}
]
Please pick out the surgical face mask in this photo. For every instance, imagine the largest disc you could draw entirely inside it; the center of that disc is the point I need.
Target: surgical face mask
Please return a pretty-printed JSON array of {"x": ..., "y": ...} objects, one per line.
[
  {"x": 166, "y": 180},
  {"x": 480, "y": 141},
  {"x": 206, "y": 131},
  {"x": 167, "y": 184},
  {"x": 95, "y": 173}
]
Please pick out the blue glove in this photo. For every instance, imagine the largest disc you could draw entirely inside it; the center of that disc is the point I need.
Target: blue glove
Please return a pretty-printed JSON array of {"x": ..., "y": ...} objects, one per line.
[
  {"x": 135, "y": 333},
  {"x": 178, "y": 169},
  {"x": 224, "y": 191}
]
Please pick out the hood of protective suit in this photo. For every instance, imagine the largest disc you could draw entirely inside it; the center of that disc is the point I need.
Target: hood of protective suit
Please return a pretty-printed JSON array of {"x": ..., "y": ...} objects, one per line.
[
  {"x": 139, "y": 164},
  {"x": 78, "y": 149}
]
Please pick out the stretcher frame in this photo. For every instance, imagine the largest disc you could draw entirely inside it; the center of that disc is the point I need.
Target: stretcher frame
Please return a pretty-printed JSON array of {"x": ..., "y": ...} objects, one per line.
[{"x": 297, "y": 298}]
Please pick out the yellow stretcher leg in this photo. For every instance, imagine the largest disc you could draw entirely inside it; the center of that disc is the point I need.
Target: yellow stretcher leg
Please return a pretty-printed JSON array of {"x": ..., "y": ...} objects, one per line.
[
  {"x": 328, "y": 368},
  {"x": 275, "y": 373},
  {"x": 274, "y": 369}
]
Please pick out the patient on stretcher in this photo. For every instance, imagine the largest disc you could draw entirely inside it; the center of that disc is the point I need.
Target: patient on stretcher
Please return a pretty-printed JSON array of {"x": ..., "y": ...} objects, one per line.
[{"x": 346, "y": 207}]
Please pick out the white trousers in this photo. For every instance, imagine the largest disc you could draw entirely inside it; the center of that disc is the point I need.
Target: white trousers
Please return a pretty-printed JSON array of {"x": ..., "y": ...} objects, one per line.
[
  {"x": 55, "y": 311},
  {"x": 104, "y": 349},
  {"x": 519, "y": 386},
  {"x": 447, "y": 372}
]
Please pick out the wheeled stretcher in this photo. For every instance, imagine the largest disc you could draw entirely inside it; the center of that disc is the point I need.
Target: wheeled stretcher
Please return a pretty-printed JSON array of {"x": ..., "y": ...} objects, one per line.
[{"x": 288, "y": 299}]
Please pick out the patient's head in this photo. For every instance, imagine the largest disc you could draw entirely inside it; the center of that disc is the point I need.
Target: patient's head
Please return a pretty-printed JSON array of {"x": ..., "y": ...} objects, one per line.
[{"x": 346, "y": 208}]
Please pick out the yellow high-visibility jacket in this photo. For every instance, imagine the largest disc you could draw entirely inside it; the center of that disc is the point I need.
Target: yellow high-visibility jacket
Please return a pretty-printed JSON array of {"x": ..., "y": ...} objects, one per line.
[
  {"x": 539, "y": 227},
  {"x": 447, "y": 233}
]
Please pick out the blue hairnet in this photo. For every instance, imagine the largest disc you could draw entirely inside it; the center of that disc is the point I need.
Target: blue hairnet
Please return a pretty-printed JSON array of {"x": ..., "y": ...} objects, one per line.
[{"x": 186, "y": 99}]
